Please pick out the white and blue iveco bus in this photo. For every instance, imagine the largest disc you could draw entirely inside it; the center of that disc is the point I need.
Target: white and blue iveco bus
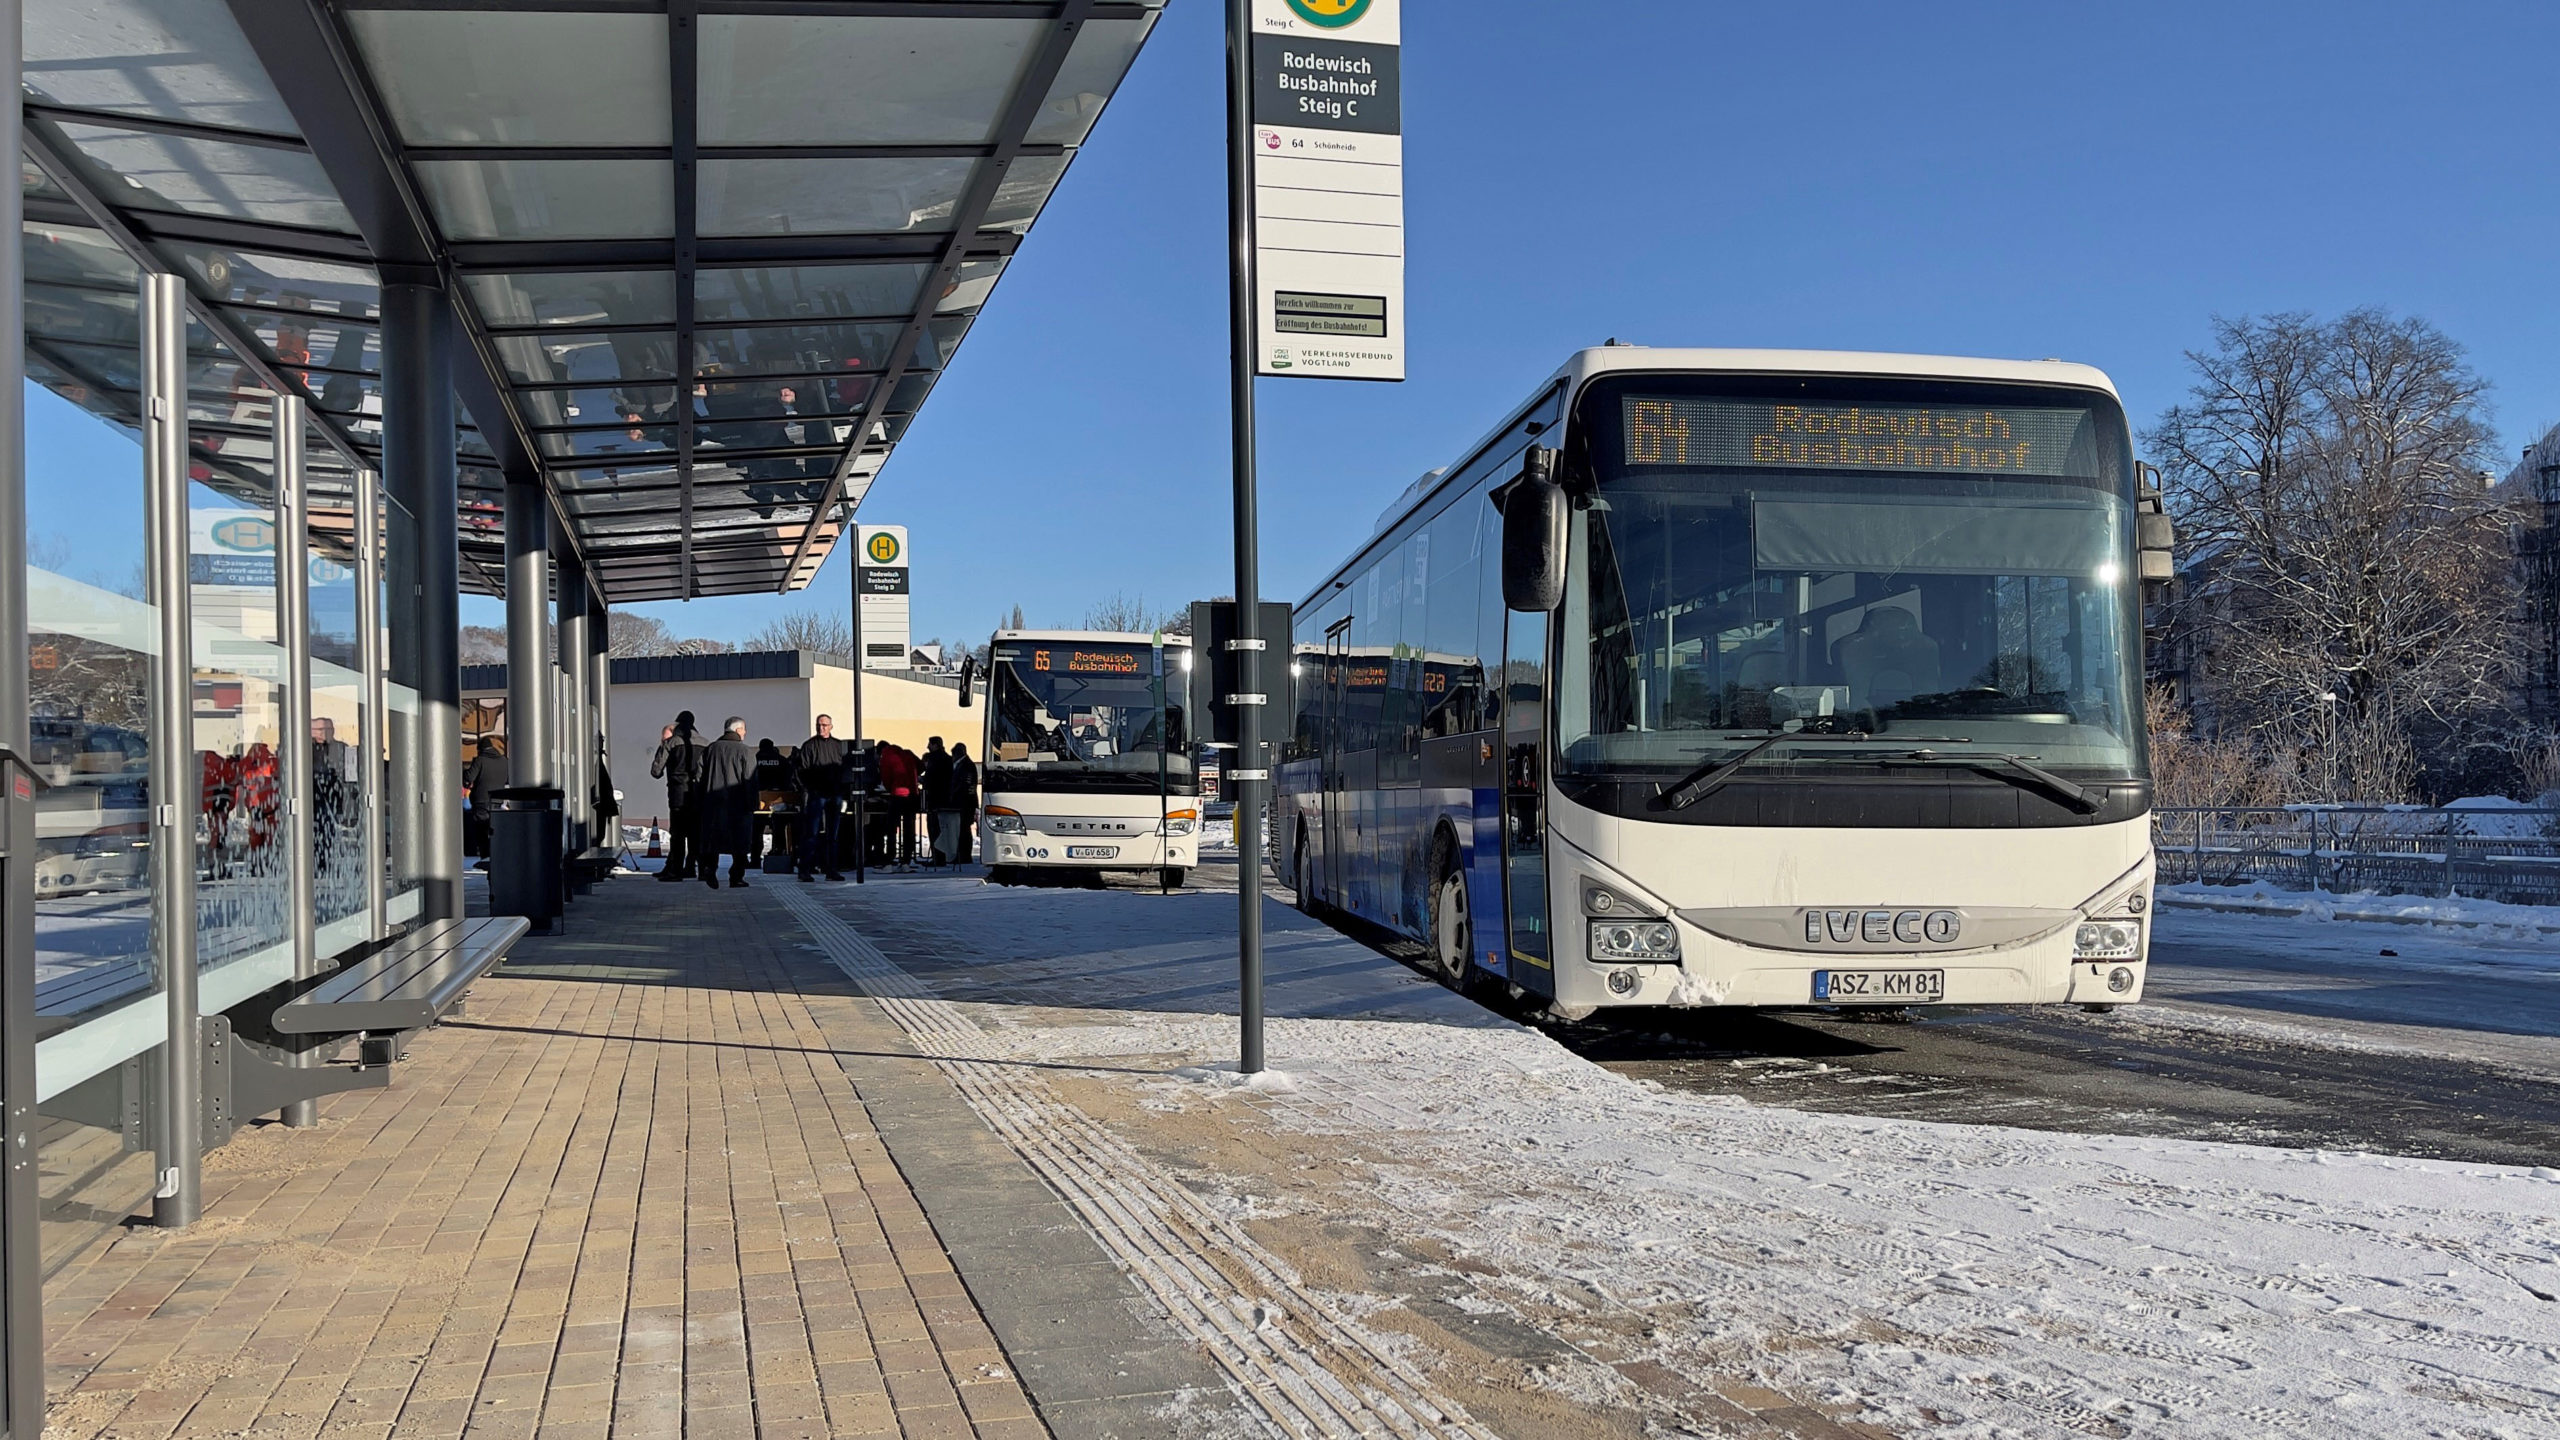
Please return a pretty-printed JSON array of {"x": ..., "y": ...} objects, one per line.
[{"x": 1752, "y": 678}]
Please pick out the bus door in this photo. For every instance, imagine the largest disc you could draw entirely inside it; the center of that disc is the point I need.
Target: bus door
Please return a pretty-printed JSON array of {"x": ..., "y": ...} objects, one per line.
[
  {"x": 1523, "y": 688},
  {"x": 1333, "y": 878}
]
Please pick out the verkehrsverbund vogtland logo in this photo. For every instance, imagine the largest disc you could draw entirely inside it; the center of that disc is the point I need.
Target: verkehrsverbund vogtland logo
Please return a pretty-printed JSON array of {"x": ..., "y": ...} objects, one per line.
[{"x": 1331, "y": 14}]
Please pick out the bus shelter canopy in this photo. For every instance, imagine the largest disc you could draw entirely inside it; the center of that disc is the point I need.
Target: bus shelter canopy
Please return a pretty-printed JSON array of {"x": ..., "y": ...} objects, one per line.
[{"x": 706, "y": 258}]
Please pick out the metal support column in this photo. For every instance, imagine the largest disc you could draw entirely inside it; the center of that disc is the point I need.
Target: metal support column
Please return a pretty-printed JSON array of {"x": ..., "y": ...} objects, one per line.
[
  {"x": 600, "y": 701},
  {"x": 577, "y": 670},
  {"x": 175, "y": 779},
  {"x": 293, "y": 748},
  {"x": 21, "y": 1287},
  {"x": 1251, "y": 772},
  {"x": 370, "y": 730},
  {"x": 528, "y": 634},
  {"x": 423, "y": 562}
]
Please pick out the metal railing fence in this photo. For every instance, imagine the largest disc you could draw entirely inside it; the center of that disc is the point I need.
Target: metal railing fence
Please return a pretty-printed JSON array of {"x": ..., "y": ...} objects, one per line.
[{"x": 2508, "y": 856}]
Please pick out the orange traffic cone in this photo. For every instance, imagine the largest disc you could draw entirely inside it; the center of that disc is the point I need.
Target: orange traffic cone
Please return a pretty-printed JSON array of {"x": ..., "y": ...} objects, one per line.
[{"x": 657, "y": 842}]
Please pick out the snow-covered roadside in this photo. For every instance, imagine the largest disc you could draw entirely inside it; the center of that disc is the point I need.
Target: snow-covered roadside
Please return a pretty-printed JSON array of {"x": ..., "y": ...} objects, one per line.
[
  {"x": 2366, "y": 907},
  {"x": 1958, "y": 1280}
]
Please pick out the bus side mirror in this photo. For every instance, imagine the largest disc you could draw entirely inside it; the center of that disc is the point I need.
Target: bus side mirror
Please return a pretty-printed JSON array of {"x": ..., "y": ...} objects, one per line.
[
  {"x": 968, "y": 682},
  {"x": 2155, "y": 536},
  {"x": 1534, "y": 510}
]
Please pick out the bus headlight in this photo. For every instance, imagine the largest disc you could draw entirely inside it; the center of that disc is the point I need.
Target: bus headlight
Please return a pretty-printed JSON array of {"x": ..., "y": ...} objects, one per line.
[
  {"x": 1001, "y": 821},
  {"x": 1179, "y": 822},
  {"x": 1649, "y": 940},
  {"x": 2107, "y": 940}
]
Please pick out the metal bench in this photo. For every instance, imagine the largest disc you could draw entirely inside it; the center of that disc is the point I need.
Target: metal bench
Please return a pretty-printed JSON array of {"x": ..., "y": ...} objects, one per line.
[
  {"x": 380, "y": 995},
  {"x": 405, "y": 986}
]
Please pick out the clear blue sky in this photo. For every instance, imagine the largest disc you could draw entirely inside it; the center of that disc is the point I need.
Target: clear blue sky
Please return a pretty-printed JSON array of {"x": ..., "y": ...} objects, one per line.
[{"x": 2008, "y": 180}]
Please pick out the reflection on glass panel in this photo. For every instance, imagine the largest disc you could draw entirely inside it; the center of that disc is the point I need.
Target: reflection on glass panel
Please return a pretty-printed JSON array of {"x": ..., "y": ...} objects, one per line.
[
  {"x": 1101, "y": 56},
  {"x": 454, "y": 77},
  {"x": 80, "y": 287},
  {"x": 819, "y": 292},
  {"x": 941, "y": 339},
  {"x": 656, "y": 473},
  {"x": 538, "y": 359},
  {"x": 34, "y": 184},
  {"x": 793, "y": 349},
  {"x": 151, "y": 171},
  {"x": 239, "y": 278},
  {"x": 969, "y": 288},
  {"x": 550, "y": 199},
  {"x": 627, "y": 440},
  {"x": 297, "y": 341},
  {"x": 176, "y": 59},
  {"x": 1026, "y": 186},
  {"x": 239, "y": 707},
  {"x": 643, "y": 297},
  {"x": 858, "y": 80},
  {"x": 583, "y": 406},
  {"x": 338, "y": 722},
  {"x": 830, "y": 197},
  {"x": 91, "y": 635}
]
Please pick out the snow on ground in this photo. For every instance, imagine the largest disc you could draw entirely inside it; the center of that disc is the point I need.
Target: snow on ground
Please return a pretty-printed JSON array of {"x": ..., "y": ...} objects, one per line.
[
  {"x": 1972, "y": 1281},
  {"x": 1958, "y": 1280},
  {"x": 2364, "y": 906}
]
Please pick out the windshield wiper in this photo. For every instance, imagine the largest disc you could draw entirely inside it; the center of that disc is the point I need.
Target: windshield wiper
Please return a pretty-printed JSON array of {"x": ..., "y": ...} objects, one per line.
[
  {"x": 1698, "y": 784},
  {"x": 2017, "y": 771}
]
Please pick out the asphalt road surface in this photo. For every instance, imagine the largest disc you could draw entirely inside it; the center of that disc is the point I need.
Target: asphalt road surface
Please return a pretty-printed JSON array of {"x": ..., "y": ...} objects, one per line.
[{"x": 2398, "y": 1040}]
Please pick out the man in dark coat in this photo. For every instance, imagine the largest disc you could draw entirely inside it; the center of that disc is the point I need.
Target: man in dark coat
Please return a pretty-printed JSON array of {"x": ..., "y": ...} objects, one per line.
[
  {"x": 679, "y": 763},
  {"x": 818, "y": 766},
  {"x": 964, "y": 799},
  {"x": 728, "y": 805},
  {"x": 484, "y": 777},
  {"x": 935, "y": 789}
]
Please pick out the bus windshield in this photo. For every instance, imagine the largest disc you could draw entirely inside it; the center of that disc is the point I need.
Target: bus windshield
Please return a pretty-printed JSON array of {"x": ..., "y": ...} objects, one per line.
[
  {"x": 1074, "y": 709},
  {"x": 1935, "y": 565}
]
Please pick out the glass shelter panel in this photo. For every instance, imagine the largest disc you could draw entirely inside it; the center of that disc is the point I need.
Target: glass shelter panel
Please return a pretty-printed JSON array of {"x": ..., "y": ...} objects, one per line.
[{"x": 93, "y": 638}]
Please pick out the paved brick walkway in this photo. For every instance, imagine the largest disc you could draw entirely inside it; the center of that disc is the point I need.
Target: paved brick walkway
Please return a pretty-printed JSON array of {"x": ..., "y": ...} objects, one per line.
[{"x": 632, "y": 1192}]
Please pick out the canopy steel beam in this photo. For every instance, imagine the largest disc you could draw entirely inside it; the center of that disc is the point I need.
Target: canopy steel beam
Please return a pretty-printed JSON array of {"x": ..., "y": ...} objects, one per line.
[
  {"x": 1029, "y": 92},
  {"x": 683, "y": 78},
  {"x": 717, "y": 152},
  {"x": 886, "y": 9},
  {"x": 516, "y": 257}
]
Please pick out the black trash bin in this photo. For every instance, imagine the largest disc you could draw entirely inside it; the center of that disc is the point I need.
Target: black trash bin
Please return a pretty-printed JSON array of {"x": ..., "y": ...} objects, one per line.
[{"x": 527, "y": 873}]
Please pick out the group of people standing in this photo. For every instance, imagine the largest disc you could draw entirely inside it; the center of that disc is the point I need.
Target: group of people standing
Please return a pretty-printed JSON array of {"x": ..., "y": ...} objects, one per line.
[{"x": 715, "y": 795}]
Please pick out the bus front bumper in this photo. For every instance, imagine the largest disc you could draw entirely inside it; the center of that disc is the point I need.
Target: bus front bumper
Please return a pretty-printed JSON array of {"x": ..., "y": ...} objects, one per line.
[{"x": 1120, "y": 852}]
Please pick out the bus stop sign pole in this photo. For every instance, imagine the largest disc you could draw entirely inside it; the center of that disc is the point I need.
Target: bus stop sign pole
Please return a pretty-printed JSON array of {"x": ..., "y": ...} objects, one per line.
[{"x": 1250, "y": 775}]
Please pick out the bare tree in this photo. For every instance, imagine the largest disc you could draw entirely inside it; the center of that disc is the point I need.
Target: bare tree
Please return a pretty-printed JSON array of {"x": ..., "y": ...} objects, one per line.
[
  {"x": 630, "y": 634},
  {"x": 2348, "y": 569},
  {"x": 827, "y": 633},
  {"x": 2188, "y": 769},
  {"x": 483, "y": 645},
  {"x": 1127, "y": 612}
]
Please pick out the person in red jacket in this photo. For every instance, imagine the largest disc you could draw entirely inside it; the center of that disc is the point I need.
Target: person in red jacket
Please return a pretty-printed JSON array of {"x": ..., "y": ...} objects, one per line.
[
  {"x": 898, "y": 780},
  {"x": 261, "y": 796},
  {"x": 218, "y": 776}
]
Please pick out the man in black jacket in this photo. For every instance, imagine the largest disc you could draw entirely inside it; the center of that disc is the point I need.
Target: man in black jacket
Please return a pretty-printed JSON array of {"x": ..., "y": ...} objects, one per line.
[
  {"x": 484, "y": 777},
  {"x": 728, "y": 805},
  {"x": 679, "y": 763},
  {"x": 818, "y": 766}
]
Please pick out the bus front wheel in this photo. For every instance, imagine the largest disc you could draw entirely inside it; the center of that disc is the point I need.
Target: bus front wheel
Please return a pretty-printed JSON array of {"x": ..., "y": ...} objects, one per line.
[
  {"x": 1173, "y": 877},
  {"x": 1452, "y": 929}
]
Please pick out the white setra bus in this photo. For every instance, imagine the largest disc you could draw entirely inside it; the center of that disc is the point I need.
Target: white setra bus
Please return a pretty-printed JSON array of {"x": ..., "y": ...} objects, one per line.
[
  {"x": 1076, "y": 771},
  {"x": 1748, "y": 678}
]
